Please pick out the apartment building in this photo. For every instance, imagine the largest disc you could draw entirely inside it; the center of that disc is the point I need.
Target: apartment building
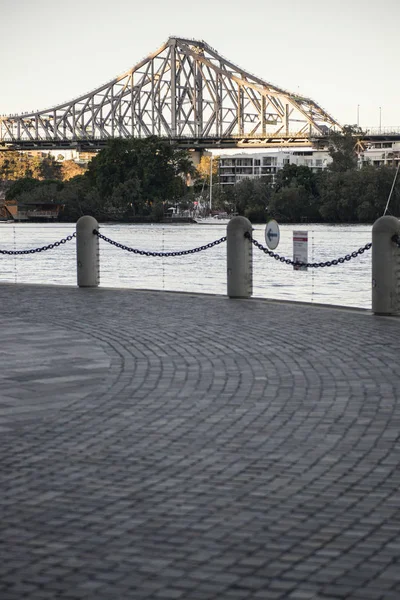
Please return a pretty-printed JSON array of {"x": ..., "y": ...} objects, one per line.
[
  {"x": 236, "y": 167},
  {"x": 380, "y": 153}
]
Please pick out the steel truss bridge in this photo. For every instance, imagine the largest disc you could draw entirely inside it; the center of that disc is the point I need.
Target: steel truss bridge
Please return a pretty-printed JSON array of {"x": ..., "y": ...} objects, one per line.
[{"x": 185, "y": 92}]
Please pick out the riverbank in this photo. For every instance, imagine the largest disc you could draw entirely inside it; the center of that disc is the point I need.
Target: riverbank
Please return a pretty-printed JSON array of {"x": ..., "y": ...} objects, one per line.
[{"x": 148, "y": 220}]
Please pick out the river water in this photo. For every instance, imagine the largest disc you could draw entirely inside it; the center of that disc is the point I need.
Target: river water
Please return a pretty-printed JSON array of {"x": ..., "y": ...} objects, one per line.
[{"x": 348, "y": 284}]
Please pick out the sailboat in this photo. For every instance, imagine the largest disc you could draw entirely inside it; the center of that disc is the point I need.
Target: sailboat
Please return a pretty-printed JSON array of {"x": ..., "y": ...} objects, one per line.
[{"x": 219, "y": 219}]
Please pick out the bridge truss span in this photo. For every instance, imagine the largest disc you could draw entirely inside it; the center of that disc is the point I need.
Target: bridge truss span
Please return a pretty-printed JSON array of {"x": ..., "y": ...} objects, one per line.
[{"x": 183, "y": 91}]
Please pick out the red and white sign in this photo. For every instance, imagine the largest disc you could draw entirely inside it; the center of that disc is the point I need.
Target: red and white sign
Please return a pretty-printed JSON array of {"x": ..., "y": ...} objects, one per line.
[{"x": 300, "y": 249}]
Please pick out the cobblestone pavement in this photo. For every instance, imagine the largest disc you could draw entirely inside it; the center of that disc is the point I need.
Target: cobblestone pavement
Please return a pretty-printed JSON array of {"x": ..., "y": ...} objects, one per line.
[{"x": 168, "y": 446}]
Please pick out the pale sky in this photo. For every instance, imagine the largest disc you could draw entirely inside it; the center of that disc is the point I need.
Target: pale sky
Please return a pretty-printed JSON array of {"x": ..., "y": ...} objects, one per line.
[{"x": 341, "y": 53}]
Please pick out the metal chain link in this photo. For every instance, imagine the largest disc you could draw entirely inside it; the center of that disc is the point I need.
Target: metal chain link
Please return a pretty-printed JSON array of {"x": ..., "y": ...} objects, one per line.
[
  {"x": 396, "y": 239},
  {"x": 147, "y": 253},
  {"x": 42, "y": 249},
  {"x": 288, "y": 261}
]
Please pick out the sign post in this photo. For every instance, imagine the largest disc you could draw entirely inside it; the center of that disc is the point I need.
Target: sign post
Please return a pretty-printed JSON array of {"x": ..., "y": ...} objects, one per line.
[
  {"x": 272, "y": 234},
  {"x": 300, "y": 249}
]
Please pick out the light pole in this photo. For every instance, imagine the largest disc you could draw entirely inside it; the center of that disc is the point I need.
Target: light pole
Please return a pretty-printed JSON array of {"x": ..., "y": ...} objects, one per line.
[
  {"x": 358, "y": 115},
  {"x": 380, "y": 119},
  {"x": 211, "y": 174}
]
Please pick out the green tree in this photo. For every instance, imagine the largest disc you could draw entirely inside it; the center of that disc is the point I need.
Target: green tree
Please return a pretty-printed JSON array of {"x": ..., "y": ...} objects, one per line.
[
  {"x": 49, "y": 168},
  {"x": 342, "y": 148},
  {"x": 297, "y": 176},
  {"x": 21, "y": 186},
  {"x": 357, "y": 196},
  {"x": 251, "y": 198},
  {"x": 160, "y": 167},
  {"x": 126, "y": 200},
  {"x": 79, "y": 199},
  {"x": 295, "y": 196},
  {"x": 294, "y": 204},
  {"x": 46, "y": 192},
  {"x": 374, "y": 186}
]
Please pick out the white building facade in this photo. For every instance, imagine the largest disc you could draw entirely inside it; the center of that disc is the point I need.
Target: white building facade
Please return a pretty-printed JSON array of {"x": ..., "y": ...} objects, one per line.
[
  {"x": 380, "y": 154},
  {"x": 236, "y": 167}
]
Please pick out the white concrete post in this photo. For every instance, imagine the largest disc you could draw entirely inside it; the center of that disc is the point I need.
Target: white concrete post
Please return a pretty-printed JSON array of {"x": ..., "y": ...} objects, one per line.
[
  {"x": 239, "y": 254},
  {"x": 87, "y": 252},
  {"x": 385, "y": 267}
]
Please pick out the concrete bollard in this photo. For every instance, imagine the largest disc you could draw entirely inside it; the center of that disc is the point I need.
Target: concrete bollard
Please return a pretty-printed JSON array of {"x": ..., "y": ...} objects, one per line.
[
  {"x": 87, "y": 252},
  {"x": 239, "y": 258},
  {"x": 385, "y": 267}
]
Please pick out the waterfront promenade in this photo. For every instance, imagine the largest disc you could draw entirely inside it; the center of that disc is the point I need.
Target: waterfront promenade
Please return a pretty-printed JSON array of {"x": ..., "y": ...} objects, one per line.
[{"x": 178, "y": 446}]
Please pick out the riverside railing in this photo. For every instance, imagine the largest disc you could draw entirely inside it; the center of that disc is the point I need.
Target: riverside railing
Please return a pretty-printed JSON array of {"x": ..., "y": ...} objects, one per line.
[{"x": 240, "y": 242}]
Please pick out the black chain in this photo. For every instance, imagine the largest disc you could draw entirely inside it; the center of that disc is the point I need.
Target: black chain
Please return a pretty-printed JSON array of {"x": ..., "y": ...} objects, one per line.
[
  {"x": 147, "y": 253},
  {"x": 328, "y": 263},
  {"x": 42, "y": 249},
  {"x": 396, "y": 239}
]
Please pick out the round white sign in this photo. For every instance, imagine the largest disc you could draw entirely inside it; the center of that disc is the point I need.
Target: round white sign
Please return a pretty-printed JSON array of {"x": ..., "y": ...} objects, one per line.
[{"x": 272, "y": 234}]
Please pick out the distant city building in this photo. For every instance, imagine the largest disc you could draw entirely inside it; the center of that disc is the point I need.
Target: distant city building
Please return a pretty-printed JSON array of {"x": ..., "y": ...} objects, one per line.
[
  {"x": 81, "y": 158},
  {"x": 236, "y": 167},
  {"x": 380, "y": 153}
]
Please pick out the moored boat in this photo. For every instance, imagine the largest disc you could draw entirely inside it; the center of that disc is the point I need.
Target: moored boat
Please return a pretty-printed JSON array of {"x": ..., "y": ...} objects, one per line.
[{"x": 219, "y": 219}]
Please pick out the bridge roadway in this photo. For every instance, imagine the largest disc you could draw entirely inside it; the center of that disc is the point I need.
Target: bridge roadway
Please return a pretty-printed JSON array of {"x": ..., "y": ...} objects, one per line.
[
  {"x": 185, "y": 143},
  {"x": 159, "y": 445},
  {"x": 238, "y": 142}
]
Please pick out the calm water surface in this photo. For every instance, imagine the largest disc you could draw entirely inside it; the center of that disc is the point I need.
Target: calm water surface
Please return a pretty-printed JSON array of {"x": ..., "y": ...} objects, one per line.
[{"x": 205, "y": 272}]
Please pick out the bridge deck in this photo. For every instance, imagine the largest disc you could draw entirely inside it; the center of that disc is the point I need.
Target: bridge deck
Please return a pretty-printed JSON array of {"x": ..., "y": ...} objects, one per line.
[{"x": 161, "y": 445}]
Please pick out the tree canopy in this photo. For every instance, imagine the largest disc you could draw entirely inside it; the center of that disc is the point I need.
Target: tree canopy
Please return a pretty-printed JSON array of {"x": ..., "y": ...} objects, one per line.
[
  {"x": 128, "y": 178},
  {"x": 141, "y": 177},
  {"x": 342, "y": 149}
]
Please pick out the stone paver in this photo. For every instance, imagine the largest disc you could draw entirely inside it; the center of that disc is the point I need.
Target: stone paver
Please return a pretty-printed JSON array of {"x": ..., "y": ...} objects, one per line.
[{"x": 157, "y": 445}]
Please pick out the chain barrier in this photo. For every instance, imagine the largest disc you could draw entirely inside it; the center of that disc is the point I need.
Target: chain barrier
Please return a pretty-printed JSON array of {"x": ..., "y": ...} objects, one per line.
[
  {"x": 42, "y": 249},
  {"x": 282, "y": 259},
  {"x": 288, "y": 261},
  {"x": 147, "y": 253}
]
